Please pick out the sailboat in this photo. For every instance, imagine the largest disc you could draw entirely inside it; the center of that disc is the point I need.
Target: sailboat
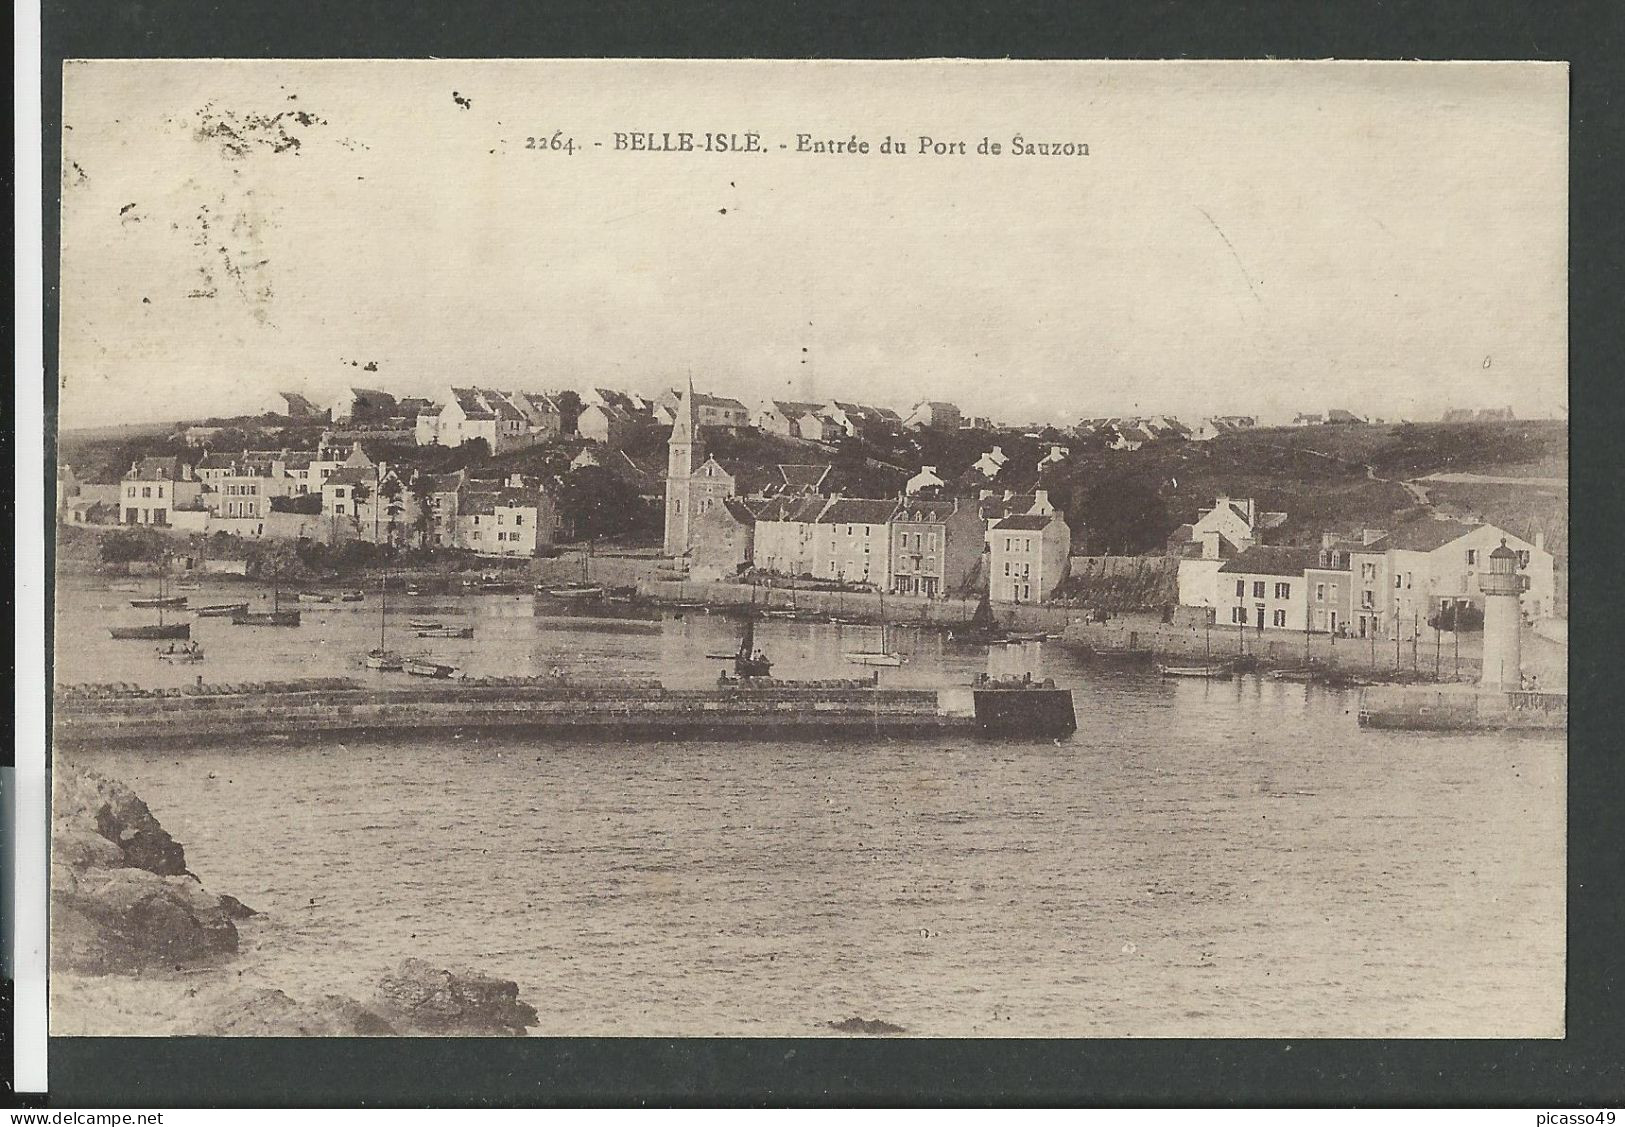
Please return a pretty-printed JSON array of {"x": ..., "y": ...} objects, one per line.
[
  {"x": 885, "y": 655},
  {"x": 276, "y": 616},
  {"x": 161, "y": 630},
  {"x": 982, "y": 630},
  {"x": 379, "y": 657},
  {"x": 585, "y": 589},
  {"x": 748, "y": 660}
]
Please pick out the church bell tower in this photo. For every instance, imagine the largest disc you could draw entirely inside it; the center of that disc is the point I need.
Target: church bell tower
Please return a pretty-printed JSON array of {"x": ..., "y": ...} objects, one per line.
[{"x": 684, "y": 452}]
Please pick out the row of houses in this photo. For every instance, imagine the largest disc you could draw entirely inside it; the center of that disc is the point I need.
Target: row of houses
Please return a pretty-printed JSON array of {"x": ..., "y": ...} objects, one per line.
[
  {"x": 909, "y": 546},
  {"x": 1378, "y": 583}
]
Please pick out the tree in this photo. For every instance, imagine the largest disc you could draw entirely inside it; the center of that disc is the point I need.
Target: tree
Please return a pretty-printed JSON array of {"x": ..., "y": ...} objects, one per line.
[
  {"x": 569, "y": 411},
  {"x": 390, "y": 490},
  {"x": 1125, "y": 515},
  {"x": 360, "y": 494},
  {"x": 597, "y": 503},
  {"x": 420, "y": 496},
  {"x": 1458, "y": 618}
]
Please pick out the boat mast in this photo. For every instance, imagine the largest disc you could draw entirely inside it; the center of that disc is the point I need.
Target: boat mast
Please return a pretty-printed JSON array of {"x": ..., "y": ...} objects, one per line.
[{"x": 383, "y": 605}]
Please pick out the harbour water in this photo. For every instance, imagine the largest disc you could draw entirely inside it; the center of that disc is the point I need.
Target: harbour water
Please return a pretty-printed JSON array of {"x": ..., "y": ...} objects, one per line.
[{"x": 1230, "y": 858}]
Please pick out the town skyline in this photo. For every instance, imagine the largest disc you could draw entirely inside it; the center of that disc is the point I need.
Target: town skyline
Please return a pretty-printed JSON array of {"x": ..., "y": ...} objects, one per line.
[{"x": 1234, "y": 242}]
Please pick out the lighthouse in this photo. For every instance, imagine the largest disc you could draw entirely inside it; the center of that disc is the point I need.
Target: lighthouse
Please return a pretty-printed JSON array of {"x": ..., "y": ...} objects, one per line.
[{"x": 1503, "y": 620}]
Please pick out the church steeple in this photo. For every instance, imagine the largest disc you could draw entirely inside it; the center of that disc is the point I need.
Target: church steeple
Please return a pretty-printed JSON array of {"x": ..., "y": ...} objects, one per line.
[{"x": 684, "y": 451}]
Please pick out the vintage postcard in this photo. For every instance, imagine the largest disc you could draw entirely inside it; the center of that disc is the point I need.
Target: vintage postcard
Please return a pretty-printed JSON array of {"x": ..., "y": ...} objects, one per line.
[{"x": 924, "y": 549}]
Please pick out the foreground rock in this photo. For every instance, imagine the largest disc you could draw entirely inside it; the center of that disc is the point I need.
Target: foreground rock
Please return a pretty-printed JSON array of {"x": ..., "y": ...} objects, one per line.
[
  {"x": 415, "y": 999},
  {"x": 122, "y": 899}
]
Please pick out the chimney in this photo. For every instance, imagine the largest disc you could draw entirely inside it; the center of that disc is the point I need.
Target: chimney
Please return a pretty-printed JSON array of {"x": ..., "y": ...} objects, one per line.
[
  {"x": 1327, "y": 539},
  {"x": 1041, "y": 501},
  {"x": 1540, "y": 540}
]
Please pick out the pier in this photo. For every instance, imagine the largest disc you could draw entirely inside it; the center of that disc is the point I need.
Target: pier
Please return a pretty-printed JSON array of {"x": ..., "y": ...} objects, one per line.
[{"x": 618, "y": 710}]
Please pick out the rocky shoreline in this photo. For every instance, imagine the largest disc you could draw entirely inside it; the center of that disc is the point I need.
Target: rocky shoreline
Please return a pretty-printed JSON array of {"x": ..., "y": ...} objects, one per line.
[{"x": 126, "y": 911}]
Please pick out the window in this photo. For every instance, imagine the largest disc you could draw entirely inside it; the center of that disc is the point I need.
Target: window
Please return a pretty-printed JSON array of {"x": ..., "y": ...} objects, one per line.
[
  {"x": 1279, "y": 618},
  {"x": 1399, "y": 581},
  {"x": 146, "y": 491},
  {"x": 1523, "y": 559},
  {"x": 1472, "y": 556},
  {"x": 1241, "y": 588},
  {"x": 1238, "y": 615},
  {"x": 1258, "y": 588},
  {"x": 1368, "y": 599},
  {"x": 1320, "y": 592},
  {"x": 1407, "y": 581},
  {"x": 502, "y": 518},
  {"x": 1283, "y": 591},
  {"x": 519, "y": 518},
  {"x": 1007, "y": 567},
  {"x": 160, "y": 491},
  {"x": 1368, "y": 571}
]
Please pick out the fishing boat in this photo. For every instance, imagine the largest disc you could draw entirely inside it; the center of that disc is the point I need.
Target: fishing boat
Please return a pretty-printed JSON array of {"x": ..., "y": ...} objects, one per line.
[
  {"x": 423, "y": 623},
  {"x": 573, "y": 591},
  {"x": 381, "y": 657},
  {"x": 276, "y": 616},
  {"x": 317, "y": 597},
  {"x": 424, "y": 667},
  {"x": 446, "y": 632},
  {"x": 189, "y": 654},
  {"x": 219, "y": 610},
  {"x": 1028, "y": 636},
  {"x": 1213, "y": 670},
  {"x": 155, "y": 631},
  {"x": 982, "y": 629},
  {"x": 748, "y": 660},
  {"x": 885, "y": 655},
  {"x": 352, "y": 597}
]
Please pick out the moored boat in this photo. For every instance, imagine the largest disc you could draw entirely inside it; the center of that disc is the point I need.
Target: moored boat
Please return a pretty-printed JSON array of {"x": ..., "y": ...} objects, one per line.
[
  {"x": 446, "y": 632},
  {"x": 219, "y": 610},
  {"x": 571, "y": 591},
  {"x": 316, "y": 597},
  {"x": 265, "y": 618},
  {"x": 351, "y": 597},
  {"x": 170, "y": 602},
  {"x": 152, "y": 632},
  {"x": 189, "y": 654},
  {"x": 424, "y": 623},
  {"x": 1216, "y": 670},
  {"x": 424, "y": 667},
  {"x": 386, "y": 661}
]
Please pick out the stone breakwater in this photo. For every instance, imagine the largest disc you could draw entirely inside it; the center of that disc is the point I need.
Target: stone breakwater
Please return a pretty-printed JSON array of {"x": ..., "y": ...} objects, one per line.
[{"x": 124, "y": 904}]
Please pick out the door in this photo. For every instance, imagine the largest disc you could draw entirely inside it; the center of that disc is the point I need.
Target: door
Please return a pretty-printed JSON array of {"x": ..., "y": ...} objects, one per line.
[
  {"x": 1331, "y": 622},
  {"x": 1259, "y": 616}
]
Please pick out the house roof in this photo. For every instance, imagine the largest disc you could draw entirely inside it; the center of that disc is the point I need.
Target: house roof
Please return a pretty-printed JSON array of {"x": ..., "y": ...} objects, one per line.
[
  {"x": 484, "y": 502},
  {"x": 926, "y": 510},
  {"x": 472, "y": 403},
  {"x": 856, "y": 510},
  {"x": 747, "y": 478},
  {"x": 216, "y": 462},
  {"x": 1263, "y": 559},
  {"x": 803, "y": 478},
  {"x": 1421, "y": 536},
  {"x": 703, "y": 400},
  {"x": 739, "y": 510},
  {"x": 351, "y": 475},
  {"x": 444, "y": 482},
  {"x": 1025, "y": 522},
  {"x": 793, "y": 409},
  {"x": 788, "y": 508},
  {"x": 155, "y": 469},
  {"x": 297, "y": 403}
]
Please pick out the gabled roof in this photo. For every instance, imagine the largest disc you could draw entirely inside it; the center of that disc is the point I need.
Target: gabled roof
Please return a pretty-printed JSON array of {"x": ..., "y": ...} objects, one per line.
[
  {"x": 472, "y": 403},
  {"x": 1421, "y": 536},
  {"x": 802, "y": 478},
  {"x": 1263, "y": 559},
  {"x": 351, "y": 475},
  {"x": 794, "y": 409},
  {"x": 788, "y": 508},
  {"x": 444, "y": 482},
  {"x": 703, "y": 400},
  {"x": 155, "y": 469},
  {"x": 1025, "y": 522},
  {"x": 216, "y": 462},
  {"x": 856, "y": 510}
]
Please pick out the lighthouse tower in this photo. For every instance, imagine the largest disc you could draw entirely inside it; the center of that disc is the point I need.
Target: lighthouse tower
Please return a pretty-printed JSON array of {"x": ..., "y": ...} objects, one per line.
[
  {"x": 1503, "y": 619},
  {"x": 684, "y": 452}
]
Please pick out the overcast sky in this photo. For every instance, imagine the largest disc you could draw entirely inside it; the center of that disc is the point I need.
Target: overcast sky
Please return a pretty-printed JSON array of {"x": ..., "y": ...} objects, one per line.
[{"x": 1256, "y": 239}]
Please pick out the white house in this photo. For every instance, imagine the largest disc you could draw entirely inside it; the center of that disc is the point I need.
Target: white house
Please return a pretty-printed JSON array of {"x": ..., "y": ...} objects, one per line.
[
  {"x": 991, "y": 462},
  {"x": 926, "y": 479},
  {"x": 153, "y": 488},
  {"x": 935, "y": 415},
  {"x": 361, "y": 403},
  {"x": 1265, "y": 588},
  {"x": 1027, "y": 557},
  {"x": 1404, "y": 578}
]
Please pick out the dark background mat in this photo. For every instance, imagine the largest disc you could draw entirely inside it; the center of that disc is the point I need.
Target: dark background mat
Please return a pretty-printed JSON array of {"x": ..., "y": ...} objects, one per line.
[{"x": 1583, "y": 1070}]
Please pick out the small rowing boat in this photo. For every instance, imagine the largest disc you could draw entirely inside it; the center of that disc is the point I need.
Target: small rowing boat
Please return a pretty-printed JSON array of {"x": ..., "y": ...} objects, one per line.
[
  {"x": 423, "y": 667},
  {"x": 351, "y": 597},
  {"x": 423, "y": 623},
  {"x": 1215, "y": 670},
  {"x": 386, "y": 661},
  {"x": 219, "y": 610},
  {"x": 446, "y": 632},
  {"x": 168, "y": 602},
  {"x": 316, "y": 597}
]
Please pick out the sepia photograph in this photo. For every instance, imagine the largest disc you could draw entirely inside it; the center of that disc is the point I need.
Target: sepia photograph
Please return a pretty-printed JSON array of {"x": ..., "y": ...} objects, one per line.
[{"x": 792, "y": 549}]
